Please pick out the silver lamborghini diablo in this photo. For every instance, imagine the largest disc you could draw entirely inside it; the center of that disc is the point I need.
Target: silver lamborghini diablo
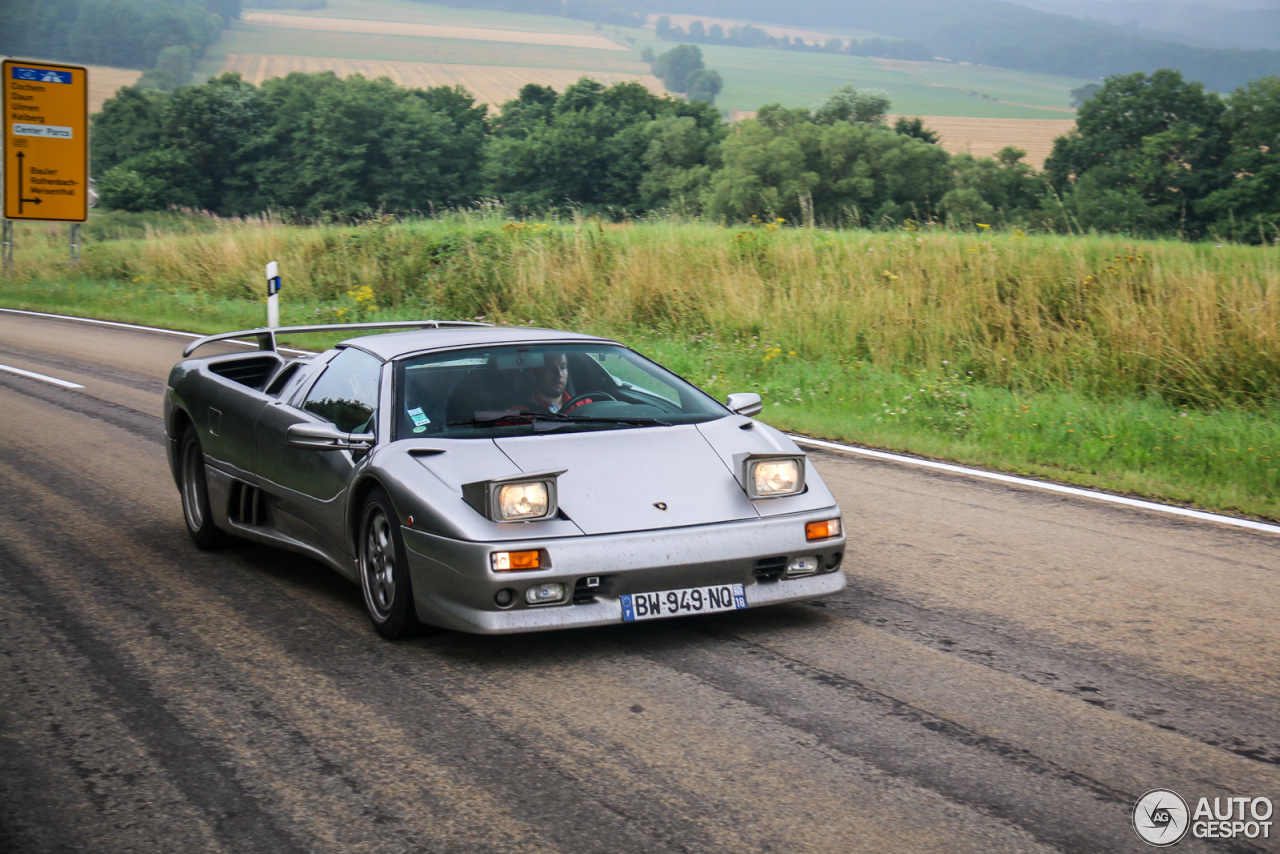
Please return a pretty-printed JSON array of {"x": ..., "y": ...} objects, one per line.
[{"x": 497, "y": 480}]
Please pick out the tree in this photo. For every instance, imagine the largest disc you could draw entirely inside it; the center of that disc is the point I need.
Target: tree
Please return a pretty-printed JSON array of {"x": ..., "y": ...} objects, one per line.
[
  {"x": 1002, "y": 189},
  {"x": 129, "y": 124},
  {"x": 706, "y": 84},
  {"x": 786, "y": 163},
  {"x": 1084, "y": 93},
  {"x": 678, "y": 162},
  {"x": 309, "y": 143},
  {"x": 587, "y": 149},
  {"x": 1158, "y": 139},
  {"x": 1248, "y": 206},
  {"x": 677, "y": 67},
  {"x": 914, "y": 127},
  {"x": 848, "y": 103}
]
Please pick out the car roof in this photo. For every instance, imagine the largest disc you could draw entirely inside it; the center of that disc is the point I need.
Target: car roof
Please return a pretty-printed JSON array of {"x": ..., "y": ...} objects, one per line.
[{"x": 395, "y": 345}]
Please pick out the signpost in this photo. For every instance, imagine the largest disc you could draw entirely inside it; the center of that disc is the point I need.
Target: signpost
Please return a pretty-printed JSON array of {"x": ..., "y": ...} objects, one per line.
[
  {"x": 273, "y": 294},
  {"x": 46, "y": 144}
]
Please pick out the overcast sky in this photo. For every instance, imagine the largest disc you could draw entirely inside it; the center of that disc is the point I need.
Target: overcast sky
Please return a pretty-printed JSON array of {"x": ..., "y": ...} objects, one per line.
[{"x": 1221, "y": 4}]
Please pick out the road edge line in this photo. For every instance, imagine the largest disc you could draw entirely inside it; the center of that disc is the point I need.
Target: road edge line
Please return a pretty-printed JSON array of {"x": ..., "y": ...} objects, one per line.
[
  {"x": 120, "y": 325},
  {"x": 44, "y": 378},
  {"x": 1075, "y": 491}
]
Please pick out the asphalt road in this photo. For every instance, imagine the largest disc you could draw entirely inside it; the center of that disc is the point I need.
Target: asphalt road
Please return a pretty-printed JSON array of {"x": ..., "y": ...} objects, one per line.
[{"x": 1009, "y": 670}]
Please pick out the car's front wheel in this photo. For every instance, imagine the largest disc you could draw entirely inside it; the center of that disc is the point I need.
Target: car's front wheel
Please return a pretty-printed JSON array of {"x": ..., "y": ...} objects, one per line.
[
  {"x": 384, "y": 571},
  {"x": 195, "y": 494}
]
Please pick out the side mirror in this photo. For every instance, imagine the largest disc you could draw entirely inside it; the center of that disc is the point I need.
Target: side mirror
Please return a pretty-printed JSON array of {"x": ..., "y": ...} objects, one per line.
[
  {"x": 326, "y": 437},
  {"x": 744, "y": 403}
]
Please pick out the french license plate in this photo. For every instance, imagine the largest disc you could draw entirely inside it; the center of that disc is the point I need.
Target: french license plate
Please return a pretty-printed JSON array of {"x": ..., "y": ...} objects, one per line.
[{"x": 690, "y": 600}]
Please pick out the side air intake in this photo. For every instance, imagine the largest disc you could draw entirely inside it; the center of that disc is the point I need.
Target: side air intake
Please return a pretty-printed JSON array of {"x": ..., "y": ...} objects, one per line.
[{"x": 247, "y": 506}]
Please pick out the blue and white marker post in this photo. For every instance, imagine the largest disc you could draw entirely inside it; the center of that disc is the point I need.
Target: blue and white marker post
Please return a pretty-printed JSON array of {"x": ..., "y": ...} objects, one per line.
[{"x": 273, "y": 295}]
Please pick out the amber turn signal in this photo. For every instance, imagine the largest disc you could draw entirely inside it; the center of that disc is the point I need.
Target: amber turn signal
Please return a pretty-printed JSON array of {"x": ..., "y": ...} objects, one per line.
[
  {"x": 516, "y": 561},
  {"x": 822, "y": 530}
]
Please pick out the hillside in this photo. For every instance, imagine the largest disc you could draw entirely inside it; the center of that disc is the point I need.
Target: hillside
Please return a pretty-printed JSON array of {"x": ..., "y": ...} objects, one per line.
[
  {"x": 493, "y": 53},
  {"x": 992, "y": 32}
]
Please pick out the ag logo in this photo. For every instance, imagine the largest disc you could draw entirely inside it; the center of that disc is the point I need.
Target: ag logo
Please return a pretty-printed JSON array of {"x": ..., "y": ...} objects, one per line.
[{"x": 1161, "y": 817}]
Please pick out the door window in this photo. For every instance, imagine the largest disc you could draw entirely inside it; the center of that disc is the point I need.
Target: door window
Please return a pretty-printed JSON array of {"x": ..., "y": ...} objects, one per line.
[{"x": 347, "y": 392}]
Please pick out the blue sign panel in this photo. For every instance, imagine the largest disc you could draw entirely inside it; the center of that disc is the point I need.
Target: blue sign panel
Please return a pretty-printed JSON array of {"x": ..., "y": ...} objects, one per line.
[{"x": 41, "y": 75}]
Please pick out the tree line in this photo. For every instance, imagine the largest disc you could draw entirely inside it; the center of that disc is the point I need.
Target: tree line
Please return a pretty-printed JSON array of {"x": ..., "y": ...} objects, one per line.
[
  {"x": 1151, "y": 155},
  {"x": 162, "y": 37}
]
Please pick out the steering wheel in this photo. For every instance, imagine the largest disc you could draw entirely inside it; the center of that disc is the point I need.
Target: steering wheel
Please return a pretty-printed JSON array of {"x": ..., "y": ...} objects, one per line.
[{"x": 585, "y": 397}]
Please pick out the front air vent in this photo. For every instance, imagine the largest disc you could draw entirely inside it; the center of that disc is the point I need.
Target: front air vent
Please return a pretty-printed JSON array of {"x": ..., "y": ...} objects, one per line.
[
  {"x": 769, "y": 569},
  {"x": 246, "y": 505}
]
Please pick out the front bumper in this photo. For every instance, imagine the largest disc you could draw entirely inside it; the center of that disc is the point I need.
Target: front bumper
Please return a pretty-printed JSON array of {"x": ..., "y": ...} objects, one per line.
[{"x": 454, "y": 586}]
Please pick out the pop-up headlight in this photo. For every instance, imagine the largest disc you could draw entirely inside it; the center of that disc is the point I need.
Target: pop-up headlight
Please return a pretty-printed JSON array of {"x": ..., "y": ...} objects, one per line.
[
  {"x": 769, "y": 476},
  {"x": 521, "y": 498},
  {"x": 520, "y": 501}
]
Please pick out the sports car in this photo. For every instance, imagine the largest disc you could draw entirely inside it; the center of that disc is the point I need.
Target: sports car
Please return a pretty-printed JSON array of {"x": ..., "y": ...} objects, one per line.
[{"x": 495, "y": 479}]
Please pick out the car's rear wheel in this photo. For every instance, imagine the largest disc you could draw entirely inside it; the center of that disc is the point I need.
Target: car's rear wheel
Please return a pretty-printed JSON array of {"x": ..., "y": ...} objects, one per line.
[
  {"x": 384, "y": 571},
  {"x": 195, "y": 494}
]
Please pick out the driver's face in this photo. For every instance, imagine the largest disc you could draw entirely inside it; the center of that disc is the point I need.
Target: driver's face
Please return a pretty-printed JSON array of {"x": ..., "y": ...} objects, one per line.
[{"x": 549, "y": 380}]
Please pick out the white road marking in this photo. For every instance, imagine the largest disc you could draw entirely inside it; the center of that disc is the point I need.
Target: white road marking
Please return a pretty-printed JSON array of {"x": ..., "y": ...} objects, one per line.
[
  {"x": 1039, "y": 484},
  {"x": 41, "y": 377},
  {"x": 135, "y": 326},
  {"x": 804, "y": 440},
  {"x": 100, "y": 322}
]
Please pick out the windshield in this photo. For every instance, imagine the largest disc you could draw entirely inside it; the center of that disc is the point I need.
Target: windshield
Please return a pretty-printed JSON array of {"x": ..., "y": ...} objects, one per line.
[{"x": 515, "y": 390}]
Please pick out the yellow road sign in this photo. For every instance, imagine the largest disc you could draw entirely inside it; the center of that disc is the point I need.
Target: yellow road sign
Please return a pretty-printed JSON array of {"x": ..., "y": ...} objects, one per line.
[{"x": 46, "y": 141}]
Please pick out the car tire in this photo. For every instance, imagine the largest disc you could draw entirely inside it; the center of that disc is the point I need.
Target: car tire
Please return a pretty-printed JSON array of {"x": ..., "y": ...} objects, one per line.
[
  {"x": 384, "y": 569},
  {"x": 196, "y": 509}
]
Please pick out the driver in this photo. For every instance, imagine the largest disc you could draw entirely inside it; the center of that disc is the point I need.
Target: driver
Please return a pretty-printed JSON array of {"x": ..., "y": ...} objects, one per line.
[{"x": 546, "y": 386}]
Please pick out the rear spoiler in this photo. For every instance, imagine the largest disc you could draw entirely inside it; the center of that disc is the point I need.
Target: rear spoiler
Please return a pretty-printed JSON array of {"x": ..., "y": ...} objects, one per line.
[{"x": 267, "y": 336}]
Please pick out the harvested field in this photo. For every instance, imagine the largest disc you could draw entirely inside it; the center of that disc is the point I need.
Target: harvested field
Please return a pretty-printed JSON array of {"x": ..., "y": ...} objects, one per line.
[
  {"x": 984, "y": 137},
  {"x": 490, "y": 84},
  {"x": 104, "y": 82},
  {"x": 436, "y": 31}
]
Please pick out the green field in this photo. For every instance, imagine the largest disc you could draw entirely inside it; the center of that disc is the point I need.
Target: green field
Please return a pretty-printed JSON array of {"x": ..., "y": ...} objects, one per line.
[{"x": 752, "y": 77}]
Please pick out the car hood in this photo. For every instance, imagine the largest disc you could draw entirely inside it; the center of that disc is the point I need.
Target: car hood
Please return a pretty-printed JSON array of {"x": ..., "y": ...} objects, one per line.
[{"x": 635, "y": 480}]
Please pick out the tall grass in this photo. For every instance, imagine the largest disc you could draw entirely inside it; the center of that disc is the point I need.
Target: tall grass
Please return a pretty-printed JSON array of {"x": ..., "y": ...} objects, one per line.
[
  {"x": 1151, "y": 367},
  {"x": 1196, "y": 324}
]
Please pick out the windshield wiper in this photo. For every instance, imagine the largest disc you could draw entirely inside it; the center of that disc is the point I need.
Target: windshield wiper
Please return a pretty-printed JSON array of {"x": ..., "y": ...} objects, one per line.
[{"x": 533, "y": 416}]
